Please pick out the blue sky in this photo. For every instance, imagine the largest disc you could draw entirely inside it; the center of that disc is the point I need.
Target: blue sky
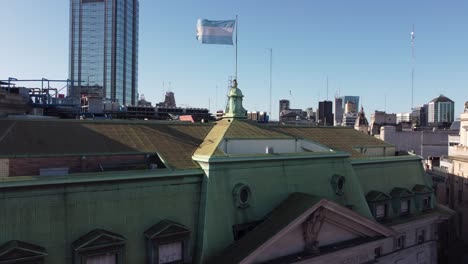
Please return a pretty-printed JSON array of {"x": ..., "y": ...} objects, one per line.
[{"x": 363, "y": 47}]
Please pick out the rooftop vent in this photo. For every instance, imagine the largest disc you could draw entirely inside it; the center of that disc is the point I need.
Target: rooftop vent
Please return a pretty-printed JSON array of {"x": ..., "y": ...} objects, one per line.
[{"x": 269, "y": 150}]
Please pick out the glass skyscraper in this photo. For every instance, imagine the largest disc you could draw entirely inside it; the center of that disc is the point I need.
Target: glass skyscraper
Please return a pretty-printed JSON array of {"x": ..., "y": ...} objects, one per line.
[{"x": 104, "y": 48}]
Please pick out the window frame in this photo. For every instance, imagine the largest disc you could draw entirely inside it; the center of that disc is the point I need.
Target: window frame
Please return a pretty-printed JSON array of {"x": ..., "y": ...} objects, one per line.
[
  {"x": 427, "y": 206},
  {"x": 408, "y": 210},
  {"x": 420, "y": 233},
  {"x": 400, "y": 242},
  {"x": 385, "y": 205},
  {"x": 89, "y": 245},
  {"x": 163, "y": 233}
]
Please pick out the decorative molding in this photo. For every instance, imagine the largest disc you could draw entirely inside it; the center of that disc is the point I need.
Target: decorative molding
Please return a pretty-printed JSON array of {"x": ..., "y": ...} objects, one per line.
[{"x": 311, "y": 229}]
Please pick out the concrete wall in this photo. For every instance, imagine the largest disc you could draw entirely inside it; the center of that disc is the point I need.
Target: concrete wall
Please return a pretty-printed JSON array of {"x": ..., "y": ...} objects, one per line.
[
  {"x": 424, "y": 143},
  {"x": 258, "y": 146},
  {"x": 54, "y": 216}
]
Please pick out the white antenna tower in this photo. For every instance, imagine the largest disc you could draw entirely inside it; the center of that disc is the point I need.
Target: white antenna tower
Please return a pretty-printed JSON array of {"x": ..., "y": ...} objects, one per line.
[{"x": 412, "y": 67}]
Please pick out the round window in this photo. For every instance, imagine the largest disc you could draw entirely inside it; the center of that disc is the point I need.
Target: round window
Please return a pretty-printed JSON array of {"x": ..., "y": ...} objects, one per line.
[{"x": 242, "y": 195}]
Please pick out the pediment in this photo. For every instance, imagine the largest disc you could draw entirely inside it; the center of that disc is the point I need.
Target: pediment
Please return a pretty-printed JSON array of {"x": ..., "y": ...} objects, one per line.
[
  {"x": 321, "y": 225},
  {"x": 422, "y": 189},
  {"x": 15, "y": 250},
  {"x": 98, "y": 238},
  {"x": 398, "y": 192},
  {"x": 377, "y": 196},
  {"x": 166, "y": 228}
]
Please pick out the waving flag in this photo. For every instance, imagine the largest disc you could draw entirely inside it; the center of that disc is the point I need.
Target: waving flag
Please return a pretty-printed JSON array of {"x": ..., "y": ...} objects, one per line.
[{"x": 215, "y": 31}]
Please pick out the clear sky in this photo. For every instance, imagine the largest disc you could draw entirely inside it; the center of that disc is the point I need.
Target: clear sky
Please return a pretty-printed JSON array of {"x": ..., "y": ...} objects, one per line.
[{"x": 363, "y": 47}]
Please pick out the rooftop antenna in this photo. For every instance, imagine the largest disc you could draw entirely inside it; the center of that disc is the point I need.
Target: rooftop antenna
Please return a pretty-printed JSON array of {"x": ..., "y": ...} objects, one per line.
[
  {"x": 327, "y": 87},
  {"x": 216, "y": 99},
  {"x": 412, "y": 67},
  {"x": 271, "y": 76}
]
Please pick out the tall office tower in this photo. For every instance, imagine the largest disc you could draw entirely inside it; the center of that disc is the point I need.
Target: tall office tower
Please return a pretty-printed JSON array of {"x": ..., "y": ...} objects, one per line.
[
  {"x": 441, "y": 111},
  {"x": 283, "y": 104},
  {"x": 338, "y": 111},
  {"x": 104, "y": 48},
  {"x": 419, "y": 115},
  {"x": 325, "y": 114},
  {"x": 351, "y": 98}
]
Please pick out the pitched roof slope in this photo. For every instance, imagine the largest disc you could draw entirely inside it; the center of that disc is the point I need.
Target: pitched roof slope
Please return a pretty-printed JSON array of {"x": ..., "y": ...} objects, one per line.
[
  {"x": 244, "y": 129},
  {"x": 175, "y": 142},
  {"x": 288, "y": 210}
]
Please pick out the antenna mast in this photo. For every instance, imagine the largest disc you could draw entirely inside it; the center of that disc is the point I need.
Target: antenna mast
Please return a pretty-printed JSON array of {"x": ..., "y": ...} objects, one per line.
[
  {"x": 327, "y": 87},
  {"x": 412, "y": 67},
  {"x": 271, "y": 76}
]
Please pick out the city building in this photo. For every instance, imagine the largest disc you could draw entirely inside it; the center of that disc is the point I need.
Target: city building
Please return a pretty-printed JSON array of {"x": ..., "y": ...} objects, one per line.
[
  {"x": 169, "y": 100},
  {"x": 425, "y": 143},
  {"x": 441, "y": 111},
  {"x": 325, "y": 114},
  {"x": 361, "y": 122},
  {"x": 419, "y": 116},
  {"x": 340, "y": 109},
  {"x": 379, "y": 119},
  {"x": 286, "y": 114},
  {"x": 232, "y": 192},
  {"x": 284, "y": 105},
  {"x": 452, "y": 176},
  {"x": 403, "y": 117},
  {"x": 104, "y": 48},
  {"x": 350, "y": 114}
]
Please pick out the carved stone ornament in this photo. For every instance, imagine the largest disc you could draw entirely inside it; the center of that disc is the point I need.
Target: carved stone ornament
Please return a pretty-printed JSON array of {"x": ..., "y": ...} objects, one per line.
[{"x": 311, "y": 228}]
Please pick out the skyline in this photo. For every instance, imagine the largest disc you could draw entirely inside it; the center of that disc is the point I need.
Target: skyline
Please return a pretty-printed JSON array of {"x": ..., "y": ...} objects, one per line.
[{"x": 364, "y": 48}]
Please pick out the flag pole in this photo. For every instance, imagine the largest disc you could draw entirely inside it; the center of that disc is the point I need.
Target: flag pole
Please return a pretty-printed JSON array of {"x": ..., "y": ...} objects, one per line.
[{"x": 235, "y": 75}]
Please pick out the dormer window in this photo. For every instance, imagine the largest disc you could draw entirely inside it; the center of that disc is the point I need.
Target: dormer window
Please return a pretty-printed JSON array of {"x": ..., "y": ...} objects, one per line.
[
  {"x": 401, "y": 201},
  {"x": 427, "y": 202},
  {"x": 18, "y": 252},
  {"x": 405, "y": 207},
  {"x": 99, "y": 246},
  {"x": 167, "y": 242},
  {"x": 380, "y": 211},
  {"x": 378, "y": 203},
  {"x": 423, "y": 195}
]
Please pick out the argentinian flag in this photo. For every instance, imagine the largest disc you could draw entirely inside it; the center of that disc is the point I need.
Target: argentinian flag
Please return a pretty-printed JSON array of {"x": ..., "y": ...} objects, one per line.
[{"x": 215, "y": 32}]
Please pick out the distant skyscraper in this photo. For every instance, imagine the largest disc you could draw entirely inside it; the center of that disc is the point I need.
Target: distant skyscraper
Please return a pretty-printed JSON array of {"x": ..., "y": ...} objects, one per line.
[
  {"x": 104, "y": 48},
  {"x": 340, "y": 103},
  {"x": 441, "y": 110},
  {"x": 283, "y": 105},
  {"x": 325, "y": 113},
  {"x": 339, "y": 111},
  {"x": 419, "y": 115}
]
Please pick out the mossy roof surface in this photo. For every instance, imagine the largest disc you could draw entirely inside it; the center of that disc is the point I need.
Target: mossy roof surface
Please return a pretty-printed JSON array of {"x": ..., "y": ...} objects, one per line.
[
  {"x": 245, "y": 129},
  {"x": 175, "y": 142}
]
